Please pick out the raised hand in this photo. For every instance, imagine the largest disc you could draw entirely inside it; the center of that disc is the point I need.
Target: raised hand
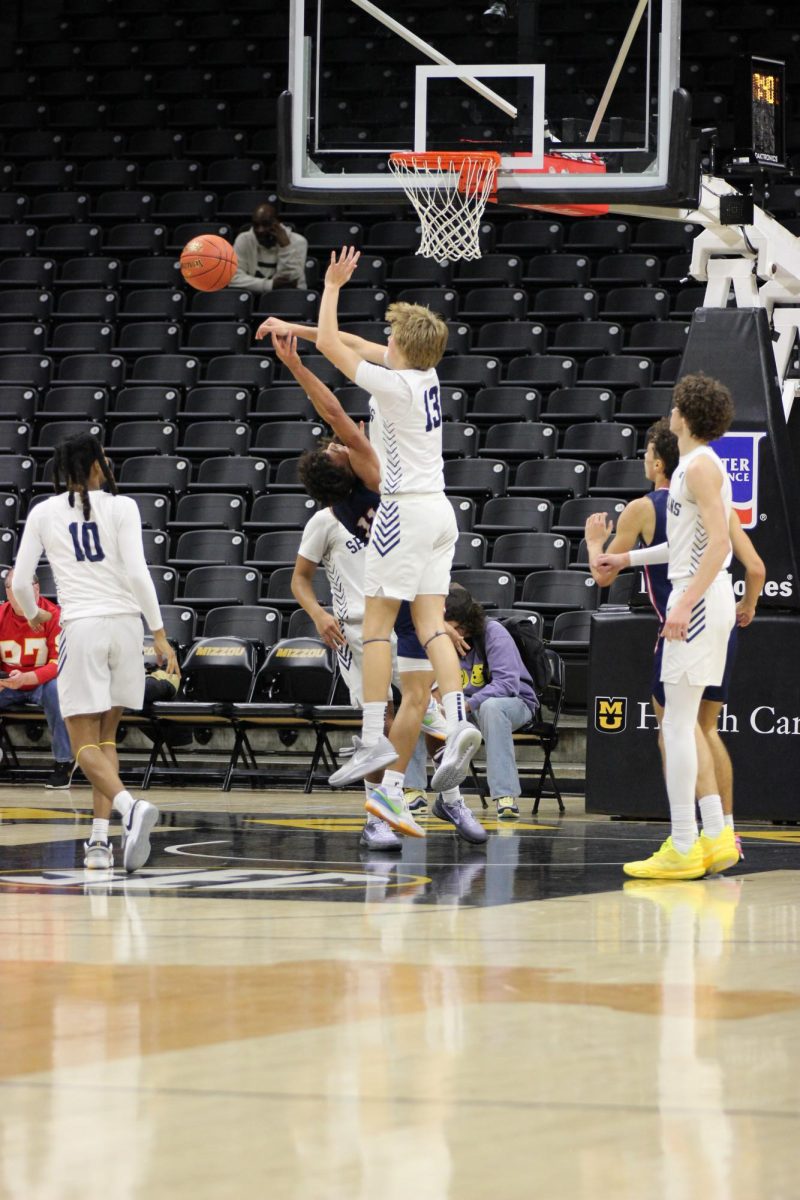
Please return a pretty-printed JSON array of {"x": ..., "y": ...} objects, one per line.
[
  {"x": 342, "y": 266},
  {"x": 273, "y": 325},
  {"x": 286, "y": 349},
  {"x": 598, "y": 528}
]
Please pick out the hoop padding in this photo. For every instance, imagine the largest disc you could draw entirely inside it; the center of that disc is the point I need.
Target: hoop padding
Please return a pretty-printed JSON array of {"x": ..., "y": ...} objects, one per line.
[{"x": 449, "y": 192}]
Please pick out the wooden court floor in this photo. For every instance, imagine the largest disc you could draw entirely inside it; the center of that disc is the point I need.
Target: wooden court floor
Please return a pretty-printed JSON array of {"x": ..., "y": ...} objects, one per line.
[{"x": 268, "y": 1011}]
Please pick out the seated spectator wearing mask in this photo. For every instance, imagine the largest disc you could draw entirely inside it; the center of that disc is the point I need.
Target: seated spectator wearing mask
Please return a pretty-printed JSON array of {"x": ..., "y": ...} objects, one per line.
[
  {"x": 270, "y": 254},
  {"x": 505, "y": 703}
]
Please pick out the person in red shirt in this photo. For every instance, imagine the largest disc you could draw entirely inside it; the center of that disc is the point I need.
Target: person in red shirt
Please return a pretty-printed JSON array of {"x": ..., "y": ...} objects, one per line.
[{"x": 28, "y": 669}]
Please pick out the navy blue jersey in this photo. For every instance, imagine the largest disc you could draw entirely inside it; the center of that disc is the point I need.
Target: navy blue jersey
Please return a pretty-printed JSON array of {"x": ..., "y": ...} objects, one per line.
[
  {"x": 658, "y": 585},
  {"x": 357, "y": 511}
]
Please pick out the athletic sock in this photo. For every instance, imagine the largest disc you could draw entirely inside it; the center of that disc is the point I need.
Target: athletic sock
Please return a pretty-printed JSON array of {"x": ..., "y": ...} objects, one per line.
[
  {"x": 712, "y": 816},
  {"x": 454, "y": 710},
  {"x": 728, "y": 819},
  {"x": 99, "y": 830},
  {"x": 373, "y": 718},
  {"x": 122, "y": 803},
  {"x": 452, "y": 795},
  {"x": 393, "y": 780}
]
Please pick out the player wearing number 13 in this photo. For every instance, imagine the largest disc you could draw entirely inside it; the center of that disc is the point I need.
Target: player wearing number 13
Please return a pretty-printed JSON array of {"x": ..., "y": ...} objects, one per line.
[{"x": 93, "y": 542}]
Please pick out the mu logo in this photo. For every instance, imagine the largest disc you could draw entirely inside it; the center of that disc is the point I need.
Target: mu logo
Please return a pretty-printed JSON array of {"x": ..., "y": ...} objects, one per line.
[{"x": 610, "y": 713}]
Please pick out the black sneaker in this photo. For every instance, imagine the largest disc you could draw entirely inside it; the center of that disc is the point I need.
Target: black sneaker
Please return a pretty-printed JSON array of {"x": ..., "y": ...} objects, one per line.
[{"x": 60, "y": 777}]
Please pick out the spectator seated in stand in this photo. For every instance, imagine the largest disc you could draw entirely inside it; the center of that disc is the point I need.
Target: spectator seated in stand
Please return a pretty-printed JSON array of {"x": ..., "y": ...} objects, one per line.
[
  {"x": 498, "y": 690},
  {"x": 270, "y": 254},
  {"x": 28, "y": 673}
]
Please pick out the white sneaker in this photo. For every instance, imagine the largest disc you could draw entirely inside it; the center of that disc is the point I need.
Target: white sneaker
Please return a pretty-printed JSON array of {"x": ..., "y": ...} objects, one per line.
[
  {"x": 364, "y": 760},
  {"x": 377, "y": 835},
  {"x": 98, "y": 856},
  {"x": 433, "y": 722},
  {"x": 458, "y": 752},
  {"x": 389, "y": 806},
  {"x": 136, "y": 834}
]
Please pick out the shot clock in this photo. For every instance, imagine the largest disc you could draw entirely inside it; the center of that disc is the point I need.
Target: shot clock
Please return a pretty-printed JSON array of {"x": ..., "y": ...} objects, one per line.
[{"x": 760, "y": 120}]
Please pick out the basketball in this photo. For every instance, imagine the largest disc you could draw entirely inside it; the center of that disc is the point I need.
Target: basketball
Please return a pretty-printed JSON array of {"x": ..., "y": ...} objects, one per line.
[{"x": 208, "y": 262}]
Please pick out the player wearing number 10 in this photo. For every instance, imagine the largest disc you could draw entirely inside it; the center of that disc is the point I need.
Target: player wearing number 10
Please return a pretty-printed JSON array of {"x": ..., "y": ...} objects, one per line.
[{"x": 93, "y": 542}]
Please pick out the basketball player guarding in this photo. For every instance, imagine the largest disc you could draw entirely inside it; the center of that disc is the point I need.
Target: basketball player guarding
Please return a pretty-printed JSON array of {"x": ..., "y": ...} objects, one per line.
[
  {"x": 93, "y": 541},
  {"x": 645, "y": 521},
  {"x": 701, "y": 612},
  {"x": 414, "y": 533}
]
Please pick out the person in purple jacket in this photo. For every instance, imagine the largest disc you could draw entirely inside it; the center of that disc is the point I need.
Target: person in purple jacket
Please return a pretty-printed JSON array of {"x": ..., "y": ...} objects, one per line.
[{"x": 499, "y": 693}]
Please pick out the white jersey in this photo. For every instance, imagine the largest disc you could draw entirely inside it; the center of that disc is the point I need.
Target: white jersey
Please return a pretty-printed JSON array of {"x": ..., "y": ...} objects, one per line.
[
  {"x": 406, "y": 429},
  {"x": 99, "y": 564},
  {"x": 686, "y": 534},
  {"x": 326, "y": 541}
]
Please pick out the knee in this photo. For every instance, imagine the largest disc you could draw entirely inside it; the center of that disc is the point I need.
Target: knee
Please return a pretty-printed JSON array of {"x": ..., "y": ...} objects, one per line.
[
  {"x": 490, "y": 715},
  {"x": 50, "y": 695}
]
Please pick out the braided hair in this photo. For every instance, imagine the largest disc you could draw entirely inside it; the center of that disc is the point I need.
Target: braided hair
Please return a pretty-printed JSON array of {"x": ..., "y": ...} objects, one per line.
[{"x": 72, "y": 464}]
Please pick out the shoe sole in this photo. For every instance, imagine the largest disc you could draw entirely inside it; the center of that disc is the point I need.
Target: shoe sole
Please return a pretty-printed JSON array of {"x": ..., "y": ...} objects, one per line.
[
  {"x": 450, "y": 775},
  {"x": 398, "y": 845},
  {"x": 139, "y": 842},
  {"x": 353, "y": 773},
  {"x": 93, "y": 867},
  {"x": 398, "y": 823},
  {"x": 507, "y": 815},
  {"x": 434, "y": 733},
  {"x": 697, "y": 873},
  {"x": 724, "y": 864},
  {"x": 463, "y": 833}
]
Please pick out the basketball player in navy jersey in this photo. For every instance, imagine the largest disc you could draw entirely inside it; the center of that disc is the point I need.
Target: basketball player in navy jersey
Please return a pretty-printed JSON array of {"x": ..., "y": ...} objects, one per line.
[
  {"x": 644, "y": 521},
  {"x": 701, "y": 612},
  {"x": 344, "y": 478}
]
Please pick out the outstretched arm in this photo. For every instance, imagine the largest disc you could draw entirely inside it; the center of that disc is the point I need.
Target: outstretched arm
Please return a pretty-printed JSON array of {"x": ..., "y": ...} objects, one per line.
[
  {"x": 329, "y": 340},
  {"x": 373, "y": 352},
  {"x": 363, "y": 458}
]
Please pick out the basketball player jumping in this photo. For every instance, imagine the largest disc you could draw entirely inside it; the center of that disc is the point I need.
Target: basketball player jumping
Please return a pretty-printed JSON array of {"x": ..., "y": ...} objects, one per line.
[
  {"x": 345, "y": 477},
  {"x": 701, "y": 612},
  {"x": 93, "y": 541},
  {"x": 414, "y": 534},
  {"x": 645, "y": 520}
]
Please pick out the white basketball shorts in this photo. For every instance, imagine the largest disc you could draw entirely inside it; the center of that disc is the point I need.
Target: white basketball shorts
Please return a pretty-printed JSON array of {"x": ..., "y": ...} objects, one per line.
[
  {"x": 351, "y": 665},
  {"x": 100, "y": 665},
  {"x": 700, "y": 659},
  {"x": 411, "y": 547}
]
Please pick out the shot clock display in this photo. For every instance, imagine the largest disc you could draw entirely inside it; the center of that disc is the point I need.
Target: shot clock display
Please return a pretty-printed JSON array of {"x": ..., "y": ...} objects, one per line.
[{"x": 760, "y": 118}]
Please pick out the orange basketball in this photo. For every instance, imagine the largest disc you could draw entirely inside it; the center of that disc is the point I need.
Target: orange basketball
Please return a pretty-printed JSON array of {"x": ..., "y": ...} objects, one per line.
[{"x": 208, "y": 262}]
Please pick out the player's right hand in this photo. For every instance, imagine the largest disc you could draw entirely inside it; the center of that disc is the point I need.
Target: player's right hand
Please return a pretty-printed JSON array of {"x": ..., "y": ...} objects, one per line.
[
  {"x": 40, "y": 620},
  {"x": 286, "y": 350},
  {"x": 330, "y": 631},
  {"x": 273, "y": 325},
  {"x": 166, "y": 657}
]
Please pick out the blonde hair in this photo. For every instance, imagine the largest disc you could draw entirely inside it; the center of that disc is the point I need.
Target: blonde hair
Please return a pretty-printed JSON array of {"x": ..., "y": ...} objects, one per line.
[{"x": 420, "y": 335}]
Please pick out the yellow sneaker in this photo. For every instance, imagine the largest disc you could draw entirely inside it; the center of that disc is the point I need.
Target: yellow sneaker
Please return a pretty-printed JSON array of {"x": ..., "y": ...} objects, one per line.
[
  {"x": 720, "y": 852},
  {"x": 669, "y": 863}
]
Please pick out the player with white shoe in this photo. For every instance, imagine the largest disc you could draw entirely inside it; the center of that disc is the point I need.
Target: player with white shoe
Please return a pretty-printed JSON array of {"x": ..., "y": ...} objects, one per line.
[
  {"x": 93, "y": 541},
  {"x": 344, "y": 477},
  {"x": 414, "y": 534}
]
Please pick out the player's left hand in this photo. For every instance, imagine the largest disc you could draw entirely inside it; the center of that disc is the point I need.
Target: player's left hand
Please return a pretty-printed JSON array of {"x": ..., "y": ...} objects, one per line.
[
  {"x": 342, "y": 266},
  {"x": 166, "y": 657},
  {"x": 17, "y": 679},
  {"x": 273, "y": 325},
  {"x": 40, "y": 620},
  {"x": 744, "y": 614},
  {"x": 461, "y": 644},
  {"x": 676, "y": 626},
  {"x": 611, "y": 562}
]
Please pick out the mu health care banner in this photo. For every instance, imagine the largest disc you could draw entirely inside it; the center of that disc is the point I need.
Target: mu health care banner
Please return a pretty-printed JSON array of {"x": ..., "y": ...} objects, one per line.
[{"x": 760, "y": 723}]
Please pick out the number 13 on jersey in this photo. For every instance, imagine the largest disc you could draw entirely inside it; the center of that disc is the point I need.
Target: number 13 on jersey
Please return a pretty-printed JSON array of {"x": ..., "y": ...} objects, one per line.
[{"x": 433, "y": 409}]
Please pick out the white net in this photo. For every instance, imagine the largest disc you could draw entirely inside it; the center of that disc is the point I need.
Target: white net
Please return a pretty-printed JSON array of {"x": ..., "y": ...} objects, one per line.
[{"x": 449, "y": 193}]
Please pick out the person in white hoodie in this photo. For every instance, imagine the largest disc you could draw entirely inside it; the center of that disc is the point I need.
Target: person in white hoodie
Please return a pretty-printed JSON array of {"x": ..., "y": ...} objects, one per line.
[{"x": 271, "y": 255}]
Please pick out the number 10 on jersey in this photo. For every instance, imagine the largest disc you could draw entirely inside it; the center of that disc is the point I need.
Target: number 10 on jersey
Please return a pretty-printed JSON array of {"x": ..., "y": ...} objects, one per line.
[{"x": 86, "y": 540}]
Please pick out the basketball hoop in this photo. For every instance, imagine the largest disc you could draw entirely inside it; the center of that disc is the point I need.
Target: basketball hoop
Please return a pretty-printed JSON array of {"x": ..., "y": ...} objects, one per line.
[{"x": 449, "y": 192}]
